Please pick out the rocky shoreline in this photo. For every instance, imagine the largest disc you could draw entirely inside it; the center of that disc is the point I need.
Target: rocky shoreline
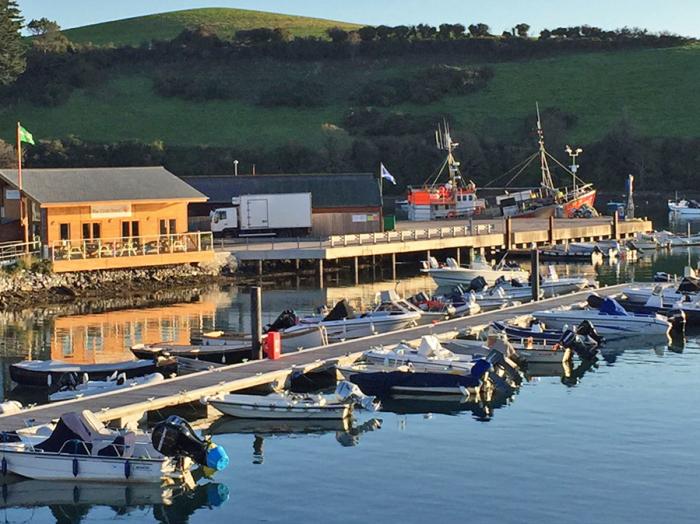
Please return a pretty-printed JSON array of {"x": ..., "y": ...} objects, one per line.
[{"x": 25, "y": 289}]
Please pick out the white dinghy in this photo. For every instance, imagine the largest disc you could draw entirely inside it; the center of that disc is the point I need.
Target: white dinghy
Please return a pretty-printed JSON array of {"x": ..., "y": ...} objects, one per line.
[
  {"x": 69, "y": 387},
  {"x": 287, "y": 406}
]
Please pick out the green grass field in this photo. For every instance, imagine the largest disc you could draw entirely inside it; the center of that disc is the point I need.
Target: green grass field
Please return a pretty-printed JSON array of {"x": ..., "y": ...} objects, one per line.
[
  {"x": 656, "y": 89},
  {"x": 225, "y": 21}
]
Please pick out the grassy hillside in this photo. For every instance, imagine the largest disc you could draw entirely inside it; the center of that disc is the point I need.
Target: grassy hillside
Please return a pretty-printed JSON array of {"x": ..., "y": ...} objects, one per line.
[
  {"x": 225, "y": 21},
  {"x": 656, "y": 89}
]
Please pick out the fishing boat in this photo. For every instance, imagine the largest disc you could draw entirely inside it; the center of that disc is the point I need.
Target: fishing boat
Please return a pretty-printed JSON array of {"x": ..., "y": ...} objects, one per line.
[
  {"x": 548, "y": 200},
  {"x": 70, "y": 387},
  {"x": 342, "y": 323},
  {"x": 45, "y": 373},
  {"x": 286, "y": 405},
  {"x": 79, "y": 447},
  {"x": 608, "y": 316},
  {"x": 452, "y": 198},
  {"x": 452, "y": 274}
]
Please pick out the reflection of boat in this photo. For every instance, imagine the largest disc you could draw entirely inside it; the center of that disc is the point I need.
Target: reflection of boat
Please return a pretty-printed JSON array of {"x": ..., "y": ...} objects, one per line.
[
  {"x": 79, "y": 447},
  {"x": 44, "y": 373},
  {"x": 73, "y": 500},
  {"x": 452, "y": 274},
  {"x": 226, "y": 425}
]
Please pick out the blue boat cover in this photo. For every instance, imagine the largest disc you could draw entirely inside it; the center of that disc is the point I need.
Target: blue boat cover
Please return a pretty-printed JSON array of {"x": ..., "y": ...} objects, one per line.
[{"x": 610, "y": 306}]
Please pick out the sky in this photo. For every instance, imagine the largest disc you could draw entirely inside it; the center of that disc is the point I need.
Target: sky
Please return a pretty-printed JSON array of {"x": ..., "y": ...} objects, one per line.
[{"x": 677, "y": 16}]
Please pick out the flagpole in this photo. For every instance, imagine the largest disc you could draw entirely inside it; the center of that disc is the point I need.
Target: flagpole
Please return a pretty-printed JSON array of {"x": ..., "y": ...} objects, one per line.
[
  {"x": 381, "y": 197},
  {"x": 22, "y": 211}
]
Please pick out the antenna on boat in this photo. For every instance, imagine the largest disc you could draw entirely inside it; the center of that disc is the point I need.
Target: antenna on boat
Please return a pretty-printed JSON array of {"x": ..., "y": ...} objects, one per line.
[{"x": 544, "y": 165}]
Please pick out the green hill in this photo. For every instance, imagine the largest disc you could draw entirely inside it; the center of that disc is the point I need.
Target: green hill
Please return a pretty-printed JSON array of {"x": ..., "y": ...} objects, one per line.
[
  {"x": 224, "y": 21},
  {"x": 656, "y": 89}
]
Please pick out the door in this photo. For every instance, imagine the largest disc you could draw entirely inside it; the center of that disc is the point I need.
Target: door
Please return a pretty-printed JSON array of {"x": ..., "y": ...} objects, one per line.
[{"x": 257, "y": 214}]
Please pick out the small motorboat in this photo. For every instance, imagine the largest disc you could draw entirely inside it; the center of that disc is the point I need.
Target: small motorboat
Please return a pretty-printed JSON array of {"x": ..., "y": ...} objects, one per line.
[
  {"x": 684, "y": 209},
  {"x": 688, "y": 287},
  {"x": 452, "y": 274},
  {"x": 443, "y": 307},
  {"x": 217, "y": 354},
  {"x": 688, "y": 307},
  {"x": 70, "y": 385},
  {"x": 608, "y": 316},
  {"x": 79, "y": 447},
  {"x": 343, "y": 323},
  {"x": 288, "y": 405},
  {"x": 45, "y": 373},
  {"x": 573, "y": 251},
  {"x": 538, "y": 333}
]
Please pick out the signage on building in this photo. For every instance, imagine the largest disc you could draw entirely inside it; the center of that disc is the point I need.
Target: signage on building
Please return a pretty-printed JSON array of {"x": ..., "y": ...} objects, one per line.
[
  {"x": 110, "y": 211},
  {"x": 11, "y": 194},
  {"x": 372, "y": 217}
]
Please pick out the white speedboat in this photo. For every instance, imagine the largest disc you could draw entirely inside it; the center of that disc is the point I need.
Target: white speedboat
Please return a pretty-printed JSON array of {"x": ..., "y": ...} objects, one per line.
[
  {"x": 313, "y": 336},
  {"x": 610, "y": 319},
  {"x": 287, "y": 405},
  {"x": 687, "y": 209},
  {"x": 452, "y": 274},
  {"x": 70, "y": 387},
  {"x": 552, "y": 284},
  {"x": 686, "y": 289},
  {"x": 343, "y": 323},
  {"x": 79, "y": 447},
  {"x": 430, "y": 355}
]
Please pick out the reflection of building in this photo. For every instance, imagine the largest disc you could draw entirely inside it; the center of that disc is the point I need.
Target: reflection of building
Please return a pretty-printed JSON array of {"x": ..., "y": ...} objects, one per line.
[
  {"x": 107, "y": 337},
  {"x": 103, "y": 218}
]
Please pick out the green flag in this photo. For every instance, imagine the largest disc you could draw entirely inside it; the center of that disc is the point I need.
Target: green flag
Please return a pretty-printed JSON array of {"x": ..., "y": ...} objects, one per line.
[{"x": 25, "y": 136}]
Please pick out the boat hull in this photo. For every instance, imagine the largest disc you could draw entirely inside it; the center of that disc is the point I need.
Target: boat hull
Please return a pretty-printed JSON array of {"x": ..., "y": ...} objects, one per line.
[
  {"x": 608, "y": 325},
  {"x": 383, "y": 383},
  {"x": 259, "y": 411},
  {"x": 464, "y": 276},
  {"x": 570, "y": 207}
]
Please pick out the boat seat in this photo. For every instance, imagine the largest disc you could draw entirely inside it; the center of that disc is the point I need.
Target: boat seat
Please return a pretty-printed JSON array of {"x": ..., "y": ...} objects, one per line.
[{"x": 121, "y": 446}]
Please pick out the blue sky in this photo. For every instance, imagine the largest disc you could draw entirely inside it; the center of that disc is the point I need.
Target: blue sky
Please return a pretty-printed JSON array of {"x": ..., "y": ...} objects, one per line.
[{"x": 678, "y": 16}]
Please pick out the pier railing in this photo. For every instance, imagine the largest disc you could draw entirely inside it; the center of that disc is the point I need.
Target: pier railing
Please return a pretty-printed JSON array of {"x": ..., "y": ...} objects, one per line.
[
  {"x": 131, "y": 246},
  {"x": 10, "y": 252}
]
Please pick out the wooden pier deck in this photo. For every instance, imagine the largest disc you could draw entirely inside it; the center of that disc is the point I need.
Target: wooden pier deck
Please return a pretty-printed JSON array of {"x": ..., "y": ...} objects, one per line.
[{"x": 133, "y": 403}]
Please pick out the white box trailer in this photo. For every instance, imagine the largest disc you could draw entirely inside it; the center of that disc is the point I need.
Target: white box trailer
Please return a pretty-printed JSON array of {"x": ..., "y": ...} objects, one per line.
[{"x": 284, "y": 214}]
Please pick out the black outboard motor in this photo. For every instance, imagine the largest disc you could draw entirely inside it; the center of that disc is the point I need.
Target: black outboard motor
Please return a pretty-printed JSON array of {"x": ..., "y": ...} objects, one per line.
[
  {"x": 586, "y": 329},
  {"x": 287, "y": 319},
  {"x": 174, "y": 437},
  {"x": 477, "y": 284},
  {"x": 571, "y": 340}
]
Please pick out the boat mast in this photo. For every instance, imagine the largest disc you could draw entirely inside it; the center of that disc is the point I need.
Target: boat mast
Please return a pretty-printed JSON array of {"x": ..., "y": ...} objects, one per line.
[
  {"x": 544, "y": 165},
  {"x": 443, "y": 140}
]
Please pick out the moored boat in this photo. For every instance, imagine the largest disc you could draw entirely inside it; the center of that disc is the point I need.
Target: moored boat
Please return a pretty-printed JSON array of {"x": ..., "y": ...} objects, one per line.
[
  {"x": 69, "y": 386},
  {"x": 452, "y": 274}
]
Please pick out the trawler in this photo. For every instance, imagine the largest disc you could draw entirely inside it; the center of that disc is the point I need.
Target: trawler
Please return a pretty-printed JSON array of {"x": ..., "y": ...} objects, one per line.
[
  {"x": 453, "y": 198},
  {"x": 549, "y": 200}
]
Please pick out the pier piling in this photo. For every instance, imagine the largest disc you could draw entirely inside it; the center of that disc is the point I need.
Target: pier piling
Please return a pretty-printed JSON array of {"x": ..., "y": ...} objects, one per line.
[
  {"x": 535, "y": 273},
  {"x": 256, "y": 321}
]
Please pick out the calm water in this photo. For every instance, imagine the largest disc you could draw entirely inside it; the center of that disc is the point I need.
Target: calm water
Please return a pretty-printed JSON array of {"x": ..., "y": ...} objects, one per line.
[{"x": 614, "y": 443}]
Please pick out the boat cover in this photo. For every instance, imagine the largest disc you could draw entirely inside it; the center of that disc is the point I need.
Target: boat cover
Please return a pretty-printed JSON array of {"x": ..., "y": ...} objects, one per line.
[
  {"x": 689, "y": 285},
  {"x": 430, "y": 347},
  {"x": 610, "y": 306},
  {"x": 340, "y": 311}
]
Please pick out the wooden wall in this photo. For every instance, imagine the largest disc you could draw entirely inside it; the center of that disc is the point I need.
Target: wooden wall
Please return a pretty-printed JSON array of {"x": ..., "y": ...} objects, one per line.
[{"x": 346, "y": 223}]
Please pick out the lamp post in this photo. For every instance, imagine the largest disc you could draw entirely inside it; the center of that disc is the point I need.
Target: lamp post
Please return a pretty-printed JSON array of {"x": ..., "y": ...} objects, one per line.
[
  {"x": 574, "y": 153},
  {"x": 235, "y": 168}
]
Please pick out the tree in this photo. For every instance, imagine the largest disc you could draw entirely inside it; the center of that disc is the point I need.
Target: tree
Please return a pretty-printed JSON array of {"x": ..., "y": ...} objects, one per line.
[
  {"x": 479, "y": 30},
  {"x": 367, "y": 33},
  {"x": 337, "y": 35},
  {"x": 47, "y": 36},
  {"x": 8, "y": 159},
  {"x": 522, "y": 30},
  {"x": 12, "y": 50}
]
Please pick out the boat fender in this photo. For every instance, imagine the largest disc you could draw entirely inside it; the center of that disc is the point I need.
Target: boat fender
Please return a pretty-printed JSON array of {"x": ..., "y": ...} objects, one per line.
[
  {"x": 127, "y": 469},
  {"x": 76, "y": 468},
  {"x": 4, "y": 466}
]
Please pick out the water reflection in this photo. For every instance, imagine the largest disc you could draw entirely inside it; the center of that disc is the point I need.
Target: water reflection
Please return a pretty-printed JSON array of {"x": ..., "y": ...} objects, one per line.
[
  {"x": 347, "y": 431},
  {"x": 72, "y": 502}
]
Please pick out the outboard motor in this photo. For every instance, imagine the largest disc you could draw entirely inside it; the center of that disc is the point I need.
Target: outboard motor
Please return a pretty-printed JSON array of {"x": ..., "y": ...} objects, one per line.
[
  {"x": 586, "y": 329},
  {"x": 477, "y": 284},
  {"x": 174, "y": 437},
  {"x": 676, "y": 317},
  {"x": 67, "y": 382},
  {"x": 571, "y": 340},
  {"x": 287, "y": 319}
]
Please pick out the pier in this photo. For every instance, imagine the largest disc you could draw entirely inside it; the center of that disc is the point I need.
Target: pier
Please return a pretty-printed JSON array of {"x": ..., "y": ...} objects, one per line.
[
  {"x": 454, "y": 238},
  {"x": 132, "y": 404}
]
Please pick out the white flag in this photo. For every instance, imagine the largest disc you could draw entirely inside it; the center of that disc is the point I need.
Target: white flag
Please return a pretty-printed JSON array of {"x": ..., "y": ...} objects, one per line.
[{"x": 385, "y": 174}]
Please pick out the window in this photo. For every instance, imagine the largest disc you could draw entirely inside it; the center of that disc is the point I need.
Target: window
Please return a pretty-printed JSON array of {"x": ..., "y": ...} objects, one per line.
[
  {"x": 168, "y": 227},
  {"x": 130, "y": 229},
  {"x": 64, "y": 231},
  {"x": 172, "y": 226},
  {"x": 91, "y": 231}
]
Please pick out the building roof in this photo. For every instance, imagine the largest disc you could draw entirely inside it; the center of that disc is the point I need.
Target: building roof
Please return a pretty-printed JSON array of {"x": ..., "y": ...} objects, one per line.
[
  {"x": 101, "y": 184},
  {"x": 327, "y": 190}
]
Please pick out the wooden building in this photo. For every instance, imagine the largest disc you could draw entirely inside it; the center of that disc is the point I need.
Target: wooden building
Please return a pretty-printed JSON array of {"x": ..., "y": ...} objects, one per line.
[
  {"x": 343, "y": 203},
  {"x": 104, "y": 218}
]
